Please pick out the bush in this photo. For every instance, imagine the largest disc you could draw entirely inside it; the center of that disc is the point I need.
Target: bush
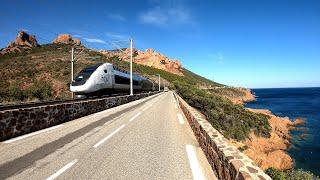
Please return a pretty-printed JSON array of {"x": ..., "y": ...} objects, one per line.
[
  {"x": 300, "y": 174},
  {"x": 294, "y": 174},
  {"x": 40, "y": 90},
  {"x": 16, "y": 93},
  {"x": 233, "y": 121},
  {"x": 276, "y": 174}
]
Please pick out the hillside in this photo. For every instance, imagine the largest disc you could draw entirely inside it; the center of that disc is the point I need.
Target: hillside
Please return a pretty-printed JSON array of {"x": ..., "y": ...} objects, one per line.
[{"x": 43, "y": 73}]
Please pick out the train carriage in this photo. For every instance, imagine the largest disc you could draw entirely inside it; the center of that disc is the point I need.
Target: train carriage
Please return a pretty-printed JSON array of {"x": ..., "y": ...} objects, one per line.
[{"x": 105, "y": 78}]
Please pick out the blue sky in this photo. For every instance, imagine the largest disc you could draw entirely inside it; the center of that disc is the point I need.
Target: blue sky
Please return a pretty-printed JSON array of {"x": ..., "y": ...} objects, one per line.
[{"x": 251, "y": 43}]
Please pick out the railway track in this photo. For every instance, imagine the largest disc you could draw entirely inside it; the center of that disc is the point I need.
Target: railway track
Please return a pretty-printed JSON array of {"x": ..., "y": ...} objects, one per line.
[{"x": 44, "y": 103}]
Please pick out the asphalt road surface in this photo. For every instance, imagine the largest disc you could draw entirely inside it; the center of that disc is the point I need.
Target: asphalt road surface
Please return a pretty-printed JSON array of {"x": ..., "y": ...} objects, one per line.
[{"x": 145, "y": 139}]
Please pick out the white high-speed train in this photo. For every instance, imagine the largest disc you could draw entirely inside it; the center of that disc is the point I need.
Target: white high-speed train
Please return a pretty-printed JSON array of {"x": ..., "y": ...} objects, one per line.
[{"x": 105, "y": 78}]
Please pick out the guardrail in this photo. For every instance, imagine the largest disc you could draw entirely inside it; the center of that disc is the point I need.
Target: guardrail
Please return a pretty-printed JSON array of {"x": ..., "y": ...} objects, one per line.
[
  {"x": 225, "y": 160},
  {"x": 21, "y": 120}
]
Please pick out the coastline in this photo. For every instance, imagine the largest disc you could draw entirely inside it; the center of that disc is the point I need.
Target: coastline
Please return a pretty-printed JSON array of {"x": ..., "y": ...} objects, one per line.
[{"x": 272, "y": 151}]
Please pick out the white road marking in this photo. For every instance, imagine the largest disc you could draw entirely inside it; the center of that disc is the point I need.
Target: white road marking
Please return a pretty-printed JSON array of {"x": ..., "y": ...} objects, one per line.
[
  {"x": 97, "y": 128},
  {"x": 108, "y": 122},
  {"x": 180, "y": 118},
  {"x": 194, "y": 163},
  {"x": 109, "y": 136},
  {"x": 32, "y": 134},
  {"x": 135, "y": 116},
  {"x": 63, "y": 169},
  {"x": 145, "y": 108}
]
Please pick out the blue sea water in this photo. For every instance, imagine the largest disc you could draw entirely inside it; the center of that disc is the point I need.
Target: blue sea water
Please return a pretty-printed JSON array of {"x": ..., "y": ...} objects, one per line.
[{"x": 294, "y": 103}]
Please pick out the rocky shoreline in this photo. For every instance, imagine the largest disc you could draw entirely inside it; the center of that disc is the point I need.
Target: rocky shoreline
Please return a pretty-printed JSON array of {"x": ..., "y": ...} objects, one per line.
[{"x": 269, "y": 152}]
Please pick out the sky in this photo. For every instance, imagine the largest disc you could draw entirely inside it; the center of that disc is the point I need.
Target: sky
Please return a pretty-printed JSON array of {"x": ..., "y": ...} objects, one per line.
[{"x": 248, "y": 43}]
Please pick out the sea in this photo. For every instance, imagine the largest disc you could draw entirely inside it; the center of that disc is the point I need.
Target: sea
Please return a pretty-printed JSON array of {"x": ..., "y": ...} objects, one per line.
[{"x": 296, "y": 103}]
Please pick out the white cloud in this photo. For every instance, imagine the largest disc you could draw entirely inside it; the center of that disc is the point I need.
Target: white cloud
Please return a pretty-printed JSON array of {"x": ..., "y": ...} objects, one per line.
[
  {"x": 93, "y": 40},
  {"x": 182, "y": 15},
  {"x": 154, "y": 16},
  {"x": 116, "y": 36},
  {"x": 161, "y": 16},
  {"x": 117, "y": 17},
  {"x": 217, "y": 57},
  {"x": 76, "y": 36}
]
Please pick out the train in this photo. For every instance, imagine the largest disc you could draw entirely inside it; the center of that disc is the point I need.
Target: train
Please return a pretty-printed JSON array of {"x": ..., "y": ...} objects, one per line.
[{"x": 106, "y": 79}]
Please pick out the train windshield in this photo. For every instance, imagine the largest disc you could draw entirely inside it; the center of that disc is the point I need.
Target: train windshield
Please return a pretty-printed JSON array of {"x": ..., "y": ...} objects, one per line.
[
  {"x": 84, "y": 75},
  {"x": 90, "y": 69}
]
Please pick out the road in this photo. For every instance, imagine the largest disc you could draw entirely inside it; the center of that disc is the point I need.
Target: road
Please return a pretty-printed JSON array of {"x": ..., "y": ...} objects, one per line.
[{"x": 145, "y": 139}]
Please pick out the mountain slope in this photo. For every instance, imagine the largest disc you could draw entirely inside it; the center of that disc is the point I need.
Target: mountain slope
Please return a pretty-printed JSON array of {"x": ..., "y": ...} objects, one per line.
[{"x": 46, "y": 69}]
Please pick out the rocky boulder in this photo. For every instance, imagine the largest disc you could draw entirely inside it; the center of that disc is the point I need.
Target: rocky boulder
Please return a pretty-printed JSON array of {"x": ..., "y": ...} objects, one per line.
[
  {"x": 67, "y": 39},
  {"x": 155, "y": 59},
  {"x": 23, "y": 41},
  {"x": 149, "y": 57}
]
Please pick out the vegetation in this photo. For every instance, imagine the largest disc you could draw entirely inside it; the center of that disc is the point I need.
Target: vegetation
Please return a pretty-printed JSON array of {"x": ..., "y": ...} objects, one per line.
[
  {"x": 39, "y": 90},
  {"x": 44, "y": 73},
  {"x": 228, "y": 92},
  {"x": 297, "y": 174},
  {"x": 233, "y": 121},
  {"x": 35, "y": 75}
]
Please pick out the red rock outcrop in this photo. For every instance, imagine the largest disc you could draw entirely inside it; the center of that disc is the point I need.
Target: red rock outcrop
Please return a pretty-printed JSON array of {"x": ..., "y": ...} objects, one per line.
[
  {"x": 271, "y": 152},
  {"x": 67, "y": 39},
  {"x": 246, "y": 97},
  {"x": 23, "y": 41},
  {"x": 149, "y": 57}
]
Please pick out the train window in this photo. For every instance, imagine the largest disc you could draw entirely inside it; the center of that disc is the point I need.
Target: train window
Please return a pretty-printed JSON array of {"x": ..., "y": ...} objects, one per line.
[
  {"x": 105, "y": 71},
  {"x": 121, "y": 80},
  {"x": 90, "y": 69},
  {"x": 136, "y": 83}
]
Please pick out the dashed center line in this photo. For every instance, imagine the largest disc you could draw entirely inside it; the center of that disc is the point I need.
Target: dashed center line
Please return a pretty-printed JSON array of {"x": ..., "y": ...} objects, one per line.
[
  {"x": 32, "y": 134},
  {"x": 135, "y": 116},
  {"x": 194, "y": 163},
  {"x": 180, "y": 118},
  {"x": 62, "y": 170},
  {"x": 147, "y": 107},
  {"x": 108, "y": 137},
  {"x": 97, "y": 128}
]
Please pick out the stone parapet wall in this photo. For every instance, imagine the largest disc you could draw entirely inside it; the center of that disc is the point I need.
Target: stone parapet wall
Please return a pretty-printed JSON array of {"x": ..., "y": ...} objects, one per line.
[
  {"x": 17, "y": 122},
  {"x": 226, "y": 160}
]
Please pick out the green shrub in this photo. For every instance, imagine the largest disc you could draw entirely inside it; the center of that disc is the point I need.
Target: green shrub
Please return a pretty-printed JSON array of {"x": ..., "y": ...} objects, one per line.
[
  {"x": 300, "y": 174},
  {"x": 233, "y": 121},
  {"x": 294, "y": 174},
  {"x": 40, "y": 90},
  {"x": 16, "y": 93},
  {"x": 276, "y": 174}
]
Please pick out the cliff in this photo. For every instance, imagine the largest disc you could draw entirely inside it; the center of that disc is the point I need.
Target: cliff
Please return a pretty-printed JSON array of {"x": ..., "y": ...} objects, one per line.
[
  {"x": 271, "y": 152},
  {"x": 235, "y": 95},
  {"x": 268, "y": 152},
  {"x": 149, "y": 57},
  {"x": 23, "y": 41}
]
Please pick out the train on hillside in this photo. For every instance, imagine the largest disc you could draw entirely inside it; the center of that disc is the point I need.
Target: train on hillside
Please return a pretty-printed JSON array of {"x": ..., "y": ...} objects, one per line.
[{"x": 105, "y": 78}]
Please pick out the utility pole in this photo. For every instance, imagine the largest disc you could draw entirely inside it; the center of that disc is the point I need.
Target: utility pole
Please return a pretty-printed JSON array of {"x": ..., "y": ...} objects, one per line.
[
  {"x": 131, "y": 81},
  {"x": 72, "y": 63}
]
